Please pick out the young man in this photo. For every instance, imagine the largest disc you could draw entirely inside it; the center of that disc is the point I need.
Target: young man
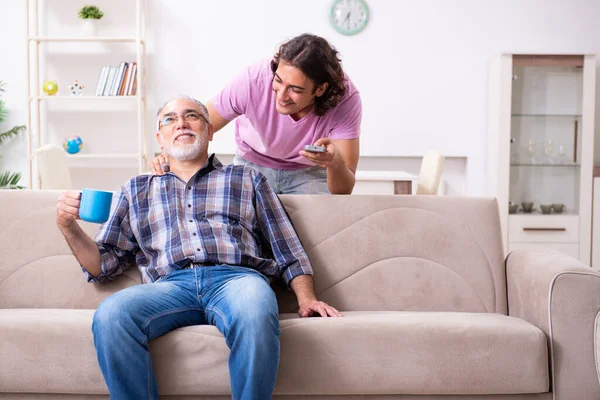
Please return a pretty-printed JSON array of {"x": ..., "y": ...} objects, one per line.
[
  {"x": 300, "y": 97},
  {"x": 198, "y": 235}
]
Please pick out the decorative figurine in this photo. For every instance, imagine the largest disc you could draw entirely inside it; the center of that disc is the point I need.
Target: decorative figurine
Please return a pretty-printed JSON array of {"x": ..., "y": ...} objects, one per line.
[
  {"x": 73, "y": 144},
  {"x": 76, "y": 88},
  {"x": 50, "y": 88}
]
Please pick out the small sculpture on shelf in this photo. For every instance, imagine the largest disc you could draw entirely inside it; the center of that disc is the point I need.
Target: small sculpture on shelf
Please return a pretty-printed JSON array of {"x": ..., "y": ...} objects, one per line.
[
  {"x": 527, "y": 207},
  {"x": 76, "y": 89},
  {"x": 50, "y": 88},
  {"x": 73, "y": 144}
]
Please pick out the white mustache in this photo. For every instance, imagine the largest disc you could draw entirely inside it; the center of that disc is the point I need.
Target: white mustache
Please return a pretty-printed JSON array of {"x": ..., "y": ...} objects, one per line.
[{"x": 185, "y": 132}]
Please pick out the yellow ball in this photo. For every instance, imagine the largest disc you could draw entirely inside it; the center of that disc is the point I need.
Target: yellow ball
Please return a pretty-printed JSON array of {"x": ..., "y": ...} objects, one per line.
[{"x": 50, "y": 88}]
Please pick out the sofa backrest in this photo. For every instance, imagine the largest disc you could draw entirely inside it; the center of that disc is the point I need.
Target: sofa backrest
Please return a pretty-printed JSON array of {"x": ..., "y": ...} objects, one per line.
[{"x": 417, "y": 253}]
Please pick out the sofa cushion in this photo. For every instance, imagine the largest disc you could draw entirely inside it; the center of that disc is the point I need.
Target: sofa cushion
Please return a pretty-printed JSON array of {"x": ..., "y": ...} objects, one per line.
[
  {"x": 52, "y": 351},
  {"x": 369, "y": 253}
]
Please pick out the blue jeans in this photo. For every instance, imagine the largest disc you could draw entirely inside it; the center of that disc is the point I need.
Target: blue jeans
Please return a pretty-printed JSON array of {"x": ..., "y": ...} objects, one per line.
[
  {"x": 310, "y": 180},
  {"x": 237, "y": 300}
]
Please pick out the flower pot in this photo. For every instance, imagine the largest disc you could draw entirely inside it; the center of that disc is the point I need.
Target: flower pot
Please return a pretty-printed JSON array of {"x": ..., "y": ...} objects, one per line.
[{"x": 89, "y": 26}]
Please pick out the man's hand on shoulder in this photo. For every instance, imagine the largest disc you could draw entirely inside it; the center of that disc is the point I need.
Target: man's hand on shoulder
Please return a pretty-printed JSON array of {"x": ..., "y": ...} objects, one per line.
[{"x": 316, "y": 307}]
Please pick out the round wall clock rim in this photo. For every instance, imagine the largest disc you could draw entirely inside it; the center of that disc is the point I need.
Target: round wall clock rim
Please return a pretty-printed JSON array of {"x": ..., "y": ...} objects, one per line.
[{"x": 352, "y": 31}]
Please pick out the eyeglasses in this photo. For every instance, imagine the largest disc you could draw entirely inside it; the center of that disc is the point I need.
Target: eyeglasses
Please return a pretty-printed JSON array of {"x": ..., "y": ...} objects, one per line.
[{"x": 171, "y": 119}]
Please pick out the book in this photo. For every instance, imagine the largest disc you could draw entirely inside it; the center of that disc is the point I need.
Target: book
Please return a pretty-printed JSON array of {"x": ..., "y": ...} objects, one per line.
[
  {"x": 123, "y": 87},
  {"x": 109, "y": 81},
  {"x": 132, "y": 80},
  {"x": 118, "y": 80},
  {"x": 102, "y": 81}
]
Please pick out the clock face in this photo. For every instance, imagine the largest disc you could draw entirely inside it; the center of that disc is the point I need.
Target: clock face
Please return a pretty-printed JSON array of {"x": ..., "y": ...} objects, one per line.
[{"x": 349, "y": 17}]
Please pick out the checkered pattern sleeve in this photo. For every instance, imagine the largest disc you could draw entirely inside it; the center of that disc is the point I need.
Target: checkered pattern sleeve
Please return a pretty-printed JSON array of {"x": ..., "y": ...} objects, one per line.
[
  {"x": 116, "y": 242},
  {"x": 277, "y": 227}
]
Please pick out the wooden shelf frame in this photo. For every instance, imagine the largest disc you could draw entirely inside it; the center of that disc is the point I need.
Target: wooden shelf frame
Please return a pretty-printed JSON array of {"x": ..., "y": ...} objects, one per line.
[{"x": 33, "y": 85}]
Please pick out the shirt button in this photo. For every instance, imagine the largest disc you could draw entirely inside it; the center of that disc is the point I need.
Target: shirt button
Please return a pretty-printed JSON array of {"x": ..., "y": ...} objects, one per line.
[
  {"x": 189, "y": 205},
  {"x": 194, "y": 233},
  {"x": 198, "y": 249},
  {"x": 189, "y": 188},
  {"x": 191, "y": 220}
]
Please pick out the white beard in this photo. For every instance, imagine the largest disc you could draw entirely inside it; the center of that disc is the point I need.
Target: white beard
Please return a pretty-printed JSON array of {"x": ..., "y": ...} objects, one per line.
[{"x": 188, "y": 151}]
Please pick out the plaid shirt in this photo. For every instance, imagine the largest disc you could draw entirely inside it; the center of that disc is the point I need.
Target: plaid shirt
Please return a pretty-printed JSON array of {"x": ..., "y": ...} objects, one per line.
[{"x": 223, "y": 215}]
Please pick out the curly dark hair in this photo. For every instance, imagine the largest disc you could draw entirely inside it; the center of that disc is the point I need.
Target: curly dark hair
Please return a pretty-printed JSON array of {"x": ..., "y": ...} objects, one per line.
[{"x": 319, "y": 61}]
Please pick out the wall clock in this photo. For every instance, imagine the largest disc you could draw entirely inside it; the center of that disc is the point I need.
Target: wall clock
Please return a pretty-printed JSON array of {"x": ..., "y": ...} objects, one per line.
[{"x": 349, "y": 17}]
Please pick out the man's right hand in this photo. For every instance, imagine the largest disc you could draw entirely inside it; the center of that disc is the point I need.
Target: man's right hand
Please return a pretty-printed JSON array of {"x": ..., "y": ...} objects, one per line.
[
  {"x": 157, "y": 163},
  {"x": 67, "y": 208}
]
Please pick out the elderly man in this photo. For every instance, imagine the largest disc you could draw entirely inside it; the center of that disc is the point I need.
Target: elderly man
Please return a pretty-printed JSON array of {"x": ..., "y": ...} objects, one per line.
[{"x": 199, "y": 235}]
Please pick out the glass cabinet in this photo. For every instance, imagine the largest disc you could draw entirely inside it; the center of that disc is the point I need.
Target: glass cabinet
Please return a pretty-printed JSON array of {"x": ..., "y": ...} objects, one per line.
[{"x": 541, "y": 150}]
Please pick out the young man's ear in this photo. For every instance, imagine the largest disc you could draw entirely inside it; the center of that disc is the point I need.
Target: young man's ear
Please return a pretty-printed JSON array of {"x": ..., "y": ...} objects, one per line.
[{"x": 321, "y": 89}]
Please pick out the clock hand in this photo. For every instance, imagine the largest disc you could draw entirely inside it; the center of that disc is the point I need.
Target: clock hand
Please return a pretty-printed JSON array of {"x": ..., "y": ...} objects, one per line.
[{"x": 347, "y": 19}]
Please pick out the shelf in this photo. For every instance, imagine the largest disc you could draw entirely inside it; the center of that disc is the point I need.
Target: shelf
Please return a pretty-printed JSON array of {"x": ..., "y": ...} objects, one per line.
[
  {"x": 83, "y": 39},
  {"x": 103, "y": 156},
  {"x": 67, "y": 98},
  {"x": 105, "y": 160},
  {"x": 548, "y": 115},
  {"x": 547, "y": 165},
  {"x": 539, "y": 214}
]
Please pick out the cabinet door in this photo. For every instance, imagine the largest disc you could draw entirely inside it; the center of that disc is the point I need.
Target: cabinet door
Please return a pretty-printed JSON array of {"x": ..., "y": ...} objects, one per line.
[
  {"x": 551, "y": 146},
  {"x": 545, "y": 143}
]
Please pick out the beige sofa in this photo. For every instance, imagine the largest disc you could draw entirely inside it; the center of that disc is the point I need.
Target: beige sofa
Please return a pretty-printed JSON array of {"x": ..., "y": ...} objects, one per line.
[{"x": 432, "y": 310}]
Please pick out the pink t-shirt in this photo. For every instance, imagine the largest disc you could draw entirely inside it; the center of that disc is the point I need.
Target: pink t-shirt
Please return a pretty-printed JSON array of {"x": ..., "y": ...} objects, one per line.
[{"x": 267, "y": 138}]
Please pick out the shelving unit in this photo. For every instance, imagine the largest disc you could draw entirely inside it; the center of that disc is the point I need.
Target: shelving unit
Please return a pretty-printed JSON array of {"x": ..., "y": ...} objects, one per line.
[
  {"x": 540, "y": 148},
  {"x": 35, "y": 123}
]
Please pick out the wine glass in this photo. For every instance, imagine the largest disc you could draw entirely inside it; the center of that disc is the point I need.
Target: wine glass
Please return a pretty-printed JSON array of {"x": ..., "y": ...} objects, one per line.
[
  {"x": 549, "y": 150},
  {"x": 562, "y": 154},
  {"x": 531, "y": 150}
]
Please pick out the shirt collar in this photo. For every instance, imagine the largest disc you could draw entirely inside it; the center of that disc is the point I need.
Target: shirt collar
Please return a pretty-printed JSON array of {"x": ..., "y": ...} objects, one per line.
[{"x": 210, "y": 165}]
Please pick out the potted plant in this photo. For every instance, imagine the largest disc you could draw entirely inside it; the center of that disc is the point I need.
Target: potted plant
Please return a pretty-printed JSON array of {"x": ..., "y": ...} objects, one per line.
[
  {"x": 89, "y": 16},
  {"x": 8, "y": 180}
]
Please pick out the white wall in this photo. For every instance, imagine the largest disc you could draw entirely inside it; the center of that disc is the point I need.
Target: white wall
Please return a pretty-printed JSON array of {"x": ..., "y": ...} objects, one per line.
[{"x": 421, "y": 66}]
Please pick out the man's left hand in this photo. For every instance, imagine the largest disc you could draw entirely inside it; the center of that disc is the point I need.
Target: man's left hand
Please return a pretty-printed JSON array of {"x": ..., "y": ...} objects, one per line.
[
  {"x": 315, "y": 307},
  {"x": 333, "y": 155}
]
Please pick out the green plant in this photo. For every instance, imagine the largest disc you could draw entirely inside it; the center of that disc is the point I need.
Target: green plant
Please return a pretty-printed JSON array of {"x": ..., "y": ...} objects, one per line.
[
  {"x": 9, "y": 180},
  {"x": 90, "y": 12}
]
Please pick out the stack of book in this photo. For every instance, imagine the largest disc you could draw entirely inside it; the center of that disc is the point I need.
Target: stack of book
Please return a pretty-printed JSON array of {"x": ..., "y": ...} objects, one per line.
[{"x": 118, "y": 81}]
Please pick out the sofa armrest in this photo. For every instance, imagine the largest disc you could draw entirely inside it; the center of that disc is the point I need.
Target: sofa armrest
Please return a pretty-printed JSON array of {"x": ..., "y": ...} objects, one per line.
[{"x": 561, "y": 296}]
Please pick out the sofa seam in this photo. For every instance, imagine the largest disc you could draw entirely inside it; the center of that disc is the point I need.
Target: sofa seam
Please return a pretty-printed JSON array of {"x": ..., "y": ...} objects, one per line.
[
  {"x": 597, "y": 319},
  {"x": 418, "y": 258}
]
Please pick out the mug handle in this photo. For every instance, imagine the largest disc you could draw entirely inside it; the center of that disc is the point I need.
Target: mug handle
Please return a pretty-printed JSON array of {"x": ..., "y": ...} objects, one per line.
[{"x": 80, "y": 203}]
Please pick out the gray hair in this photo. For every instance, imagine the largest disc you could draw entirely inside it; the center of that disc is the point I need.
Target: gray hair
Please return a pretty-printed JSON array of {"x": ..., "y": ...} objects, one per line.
[{"x": 203, "y": 109}]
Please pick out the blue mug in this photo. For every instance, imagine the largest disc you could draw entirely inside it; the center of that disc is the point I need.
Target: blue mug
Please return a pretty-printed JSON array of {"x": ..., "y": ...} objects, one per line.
[{"x": 95, "y": 205}]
